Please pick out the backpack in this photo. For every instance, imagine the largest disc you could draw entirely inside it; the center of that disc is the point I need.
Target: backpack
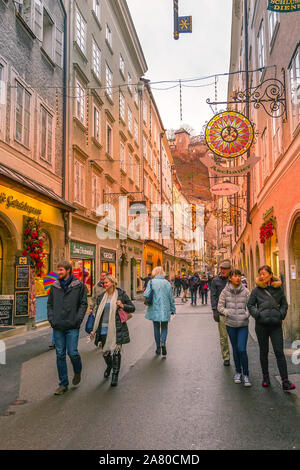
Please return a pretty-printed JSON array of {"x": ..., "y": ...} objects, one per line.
[{"x": 205, "y": 287}]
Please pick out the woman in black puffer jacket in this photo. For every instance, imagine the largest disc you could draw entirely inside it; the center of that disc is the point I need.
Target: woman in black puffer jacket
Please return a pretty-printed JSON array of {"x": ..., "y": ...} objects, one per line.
[{"x": 268, "y": 305}]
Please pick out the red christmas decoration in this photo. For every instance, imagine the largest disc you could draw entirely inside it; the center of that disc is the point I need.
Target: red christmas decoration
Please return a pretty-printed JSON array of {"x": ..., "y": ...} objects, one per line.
[
  {"x": 33, "y": 243},
  {"x": 266, "y": 231}
]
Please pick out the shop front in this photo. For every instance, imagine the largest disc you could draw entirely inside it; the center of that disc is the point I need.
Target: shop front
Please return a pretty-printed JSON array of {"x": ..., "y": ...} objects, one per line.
[
  {"x": 83, "y": 258},
  {"x": 108, "y": 261},
  {"x": 32, "y": 228},
  {"x": 153, "y": 255}
]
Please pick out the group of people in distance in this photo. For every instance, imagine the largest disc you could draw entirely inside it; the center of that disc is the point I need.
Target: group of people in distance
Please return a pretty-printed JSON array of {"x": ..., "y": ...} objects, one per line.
[
  {"x": 110, "y": 308},
  {"x": 232, "y": 304}
]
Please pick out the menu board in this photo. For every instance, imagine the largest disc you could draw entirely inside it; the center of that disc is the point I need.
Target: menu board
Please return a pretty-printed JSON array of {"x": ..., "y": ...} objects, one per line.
[
  {"x": 22, "y": 304},
  {"x": 22, "y": 277},
  {"x": 6, "y": 309}
]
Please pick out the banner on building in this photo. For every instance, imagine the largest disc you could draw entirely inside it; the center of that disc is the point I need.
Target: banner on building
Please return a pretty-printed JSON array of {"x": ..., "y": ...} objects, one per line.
[
  {"x": 182, "y": 24},
  {"x": 219, "y": 170},
  {"x": 284, "y": 6}
]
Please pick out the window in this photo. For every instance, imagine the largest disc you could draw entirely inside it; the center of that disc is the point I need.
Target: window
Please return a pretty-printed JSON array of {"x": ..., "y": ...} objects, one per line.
[
  {"x": 150, "y": 156},
  {"x": 122, "y": 106},
  {"x": 46, "y": 147},
  {"x": 264, "y": 154},
  {"x": 136, "y": 131},
  {"x": 48, "y": 34},
  {"x": 129, "y": 120},
  {"x": 294, "y": 74},
  {"x": 145, "y": 111},
  {"x": 146, "y": 186},
  {"x": 273, "y": 18},
  {"x": 130, "y": 164},
  {"x": 109, "y": 77},
  {"x": 277, "y": 139},
  {"x": 261, "y": 46},
  {"x": 22, "y": 115},
  {"x": 108, "y": 139},
  {"x": 95, "y": 192},
  {"x": 129, "y": 82},
  {"x": 96, "y": 124},
  {"x": 96, "y": 8},
  {"x": 122, "y": 157},
  {"x": 46, "y": 268},
  {"x": 2, "y": 99},
  {"x": 59, "y": 40},
  {"x": 108, "y": 35},
  {"x": 144, "y": 147},
  {"x": 80, "y": 102},
  {"x": 96, "y": 60},
  {"x": 137, "y": 173},
  {"x": 122, "y": 64},
  {"x": 78, "y": 182},
  {"x": 136, "y": 96},
  {"x": 80, "y": 31},
  {"x": 150, "y": 191}
]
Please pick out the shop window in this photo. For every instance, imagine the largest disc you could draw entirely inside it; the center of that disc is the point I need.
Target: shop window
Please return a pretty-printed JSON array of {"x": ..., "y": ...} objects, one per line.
[
  {"x": 39, "y": 285},
  {"x": 109, "y": 267},
  {"x": 138, "y": 276},
  {"x": 84, "y": 270}
]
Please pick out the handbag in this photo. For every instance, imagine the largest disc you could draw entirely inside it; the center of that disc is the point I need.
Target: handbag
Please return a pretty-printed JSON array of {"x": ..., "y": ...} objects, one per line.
[
  {"x": 124, "y": 316},
  {"x": 149, "y": 300},
  {"x": 90, "y": 323}
]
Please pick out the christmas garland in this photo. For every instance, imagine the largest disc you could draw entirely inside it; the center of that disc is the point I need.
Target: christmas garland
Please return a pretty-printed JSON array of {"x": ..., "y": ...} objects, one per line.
[
  {"x": 33, "y": 243},
  {"x": 267, "y": 230}
]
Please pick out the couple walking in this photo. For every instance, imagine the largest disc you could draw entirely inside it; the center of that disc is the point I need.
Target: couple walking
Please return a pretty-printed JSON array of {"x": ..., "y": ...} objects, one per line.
[
  {"x": 232, "y": 305},
  {"x": 67, "y": 305}
]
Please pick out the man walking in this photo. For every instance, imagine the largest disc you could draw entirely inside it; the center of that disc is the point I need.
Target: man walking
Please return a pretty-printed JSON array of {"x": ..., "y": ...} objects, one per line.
[
  {"x": 217, "y": 285},
  {"x": 194, "y": 285},
  {"x": 67, "y": 304},
  {"x": 177, "y": 284},
  {"x": 98, "y": 290}
]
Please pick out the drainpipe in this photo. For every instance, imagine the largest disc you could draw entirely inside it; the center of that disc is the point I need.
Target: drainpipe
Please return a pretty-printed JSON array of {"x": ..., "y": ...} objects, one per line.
[{"x": 64, "y": 101}]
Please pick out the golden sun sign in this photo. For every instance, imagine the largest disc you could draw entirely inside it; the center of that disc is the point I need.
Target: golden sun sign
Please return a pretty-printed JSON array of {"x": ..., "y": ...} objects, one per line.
[{"x": 229, "y": 134}]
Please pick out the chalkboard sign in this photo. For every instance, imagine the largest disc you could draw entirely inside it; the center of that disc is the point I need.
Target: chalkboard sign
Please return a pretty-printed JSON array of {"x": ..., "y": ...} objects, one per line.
[
  {"x": 22, "y": 277},
  {"x": 6, "y": 309},
  {"x": 21, "y": 304}
]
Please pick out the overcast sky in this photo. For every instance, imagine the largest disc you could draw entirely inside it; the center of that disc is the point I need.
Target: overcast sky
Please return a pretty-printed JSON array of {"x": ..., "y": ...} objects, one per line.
[{"x": 204, "y": 52}]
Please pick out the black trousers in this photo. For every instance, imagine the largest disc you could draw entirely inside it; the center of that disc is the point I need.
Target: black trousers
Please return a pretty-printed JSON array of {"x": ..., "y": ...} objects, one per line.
[{"x": 263, "y": 333}]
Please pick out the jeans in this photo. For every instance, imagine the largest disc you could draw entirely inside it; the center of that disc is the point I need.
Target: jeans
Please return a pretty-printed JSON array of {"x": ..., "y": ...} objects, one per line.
[
  {"x": 238, "y": 338},
  {"x": 178, "y": 291},
  {"x": 67, "y": 341},
  {"x": 160, "y": 332},
  {"x": 193, "y": 296},
  {"x": 204, "y": 297},
  {"x": 263, "y": 333}
]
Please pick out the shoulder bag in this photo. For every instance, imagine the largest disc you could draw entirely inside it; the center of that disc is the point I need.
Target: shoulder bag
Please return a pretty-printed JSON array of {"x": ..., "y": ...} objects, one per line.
[{"x": 149, "y": 298}]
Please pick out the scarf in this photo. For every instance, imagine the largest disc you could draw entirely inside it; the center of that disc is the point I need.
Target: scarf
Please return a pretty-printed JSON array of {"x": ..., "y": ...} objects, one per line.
[
  {"x": 64, "y": 283},
  {"x": 110, "y": 344}
]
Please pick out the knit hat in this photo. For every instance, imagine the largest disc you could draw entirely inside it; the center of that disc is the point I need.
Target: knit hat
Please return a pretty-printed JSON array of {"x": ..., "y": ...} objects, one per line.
[{"x": 226, "y": 264}]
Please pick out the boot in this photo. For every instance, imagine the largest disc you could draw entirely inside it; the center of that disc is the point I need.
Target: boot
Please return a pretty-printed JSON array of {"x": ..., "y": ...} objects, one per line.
[
  {"x": 108, "y": 360},
  {"x": 116, "y": 364}
]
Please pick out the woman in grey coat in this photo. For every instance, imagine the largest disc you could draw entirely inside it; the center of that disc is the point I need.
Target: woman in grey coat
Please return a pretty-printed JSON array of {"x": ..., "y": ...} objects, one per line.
[{"x": 233, "y": 305}]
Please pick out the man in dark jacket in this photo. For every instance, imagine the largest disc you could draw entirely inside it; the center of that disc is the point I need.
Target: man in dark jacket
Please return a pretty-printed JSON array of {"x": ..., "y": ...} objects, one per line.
[
  {"x": 177, "y": 284},
  {"x": 217, "y": 285},
  {"x": 194, "y": 284},
  {"x": 67, "y": 304},
  {"x": 185, "y": 286}
]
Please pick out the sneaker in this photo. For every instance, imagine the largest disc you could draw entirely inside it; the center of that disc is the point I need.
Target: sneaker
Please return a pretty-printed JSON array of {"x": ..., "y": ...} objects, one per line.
[
  {"x": 287, "y": 385},
  {"x": 52, "y": 346},
  {"x": 76, "y": 379},
  {"x": 61, "y": 390},
  {"x": 237, "y": 378},
  {"x": 247, "y": 382},
  {"x": 226, "y": 362},
  {"x": 158, "y": 351},
  {"x": 164, "y": 350},
  {"x": 266, "y": 381}
]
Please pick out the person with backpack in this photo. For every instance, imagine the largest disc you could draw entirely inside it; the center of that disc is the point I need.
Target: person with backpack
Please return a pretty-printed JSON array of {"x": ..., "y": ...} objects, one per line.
[
  {"x": 161, "y": 308},
  {"x": 203, "y": 290},
  {"x": 185, "y": 286},
  {"x": 233, "y": 306},
  {"x": 177, "y": 284},
  {"x": 268, "y": 306},
  {"x": 110, "y": 329},
  {"x": 194, "y": 285}
]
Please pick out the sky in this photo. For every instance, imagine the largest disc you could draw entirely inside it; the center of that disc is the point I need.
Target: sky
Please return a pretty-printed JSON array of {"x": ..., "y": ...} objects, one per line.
[{"x": 204, "y": 52}]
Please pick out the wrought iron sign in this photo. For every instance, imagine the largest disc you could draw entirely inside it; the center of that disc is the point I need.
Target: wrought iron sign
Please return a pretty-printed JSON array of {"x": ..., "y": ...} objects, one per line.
[{"x": 270, "y": 95}]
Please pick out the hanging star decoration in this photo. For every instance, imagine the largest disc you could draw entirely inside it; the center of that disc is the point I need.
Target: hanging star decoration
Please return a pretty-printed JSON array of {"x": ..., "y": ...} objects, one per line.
[{"x": 182, "y": 24}]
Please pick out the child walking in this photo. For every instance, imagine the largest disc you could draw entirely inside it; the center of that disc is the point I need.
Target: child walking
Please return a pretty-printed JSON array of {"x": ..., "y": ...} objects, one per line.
[{"x": 233, "y": 305}]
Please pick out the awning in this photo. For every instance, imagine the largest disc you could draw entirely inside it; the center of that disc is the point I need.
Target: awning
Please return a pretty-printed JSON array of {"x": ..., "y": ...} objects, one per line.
[{"x": 15, "y": 180}]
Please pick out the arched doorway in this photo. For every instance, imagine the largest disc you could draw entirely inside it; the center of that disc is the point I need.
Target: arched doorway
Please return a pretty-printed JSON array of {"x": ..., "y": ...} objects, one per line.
[
  {"x": 294, "y": 274},
  {"x": 272, "y": 253},
  {"x": 8, "y": 252}
]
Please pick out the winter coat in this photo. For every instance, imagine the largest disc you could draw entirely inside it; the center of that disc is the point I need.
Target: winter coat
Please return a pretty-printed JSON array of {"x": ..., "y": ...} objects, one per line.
[
  {"x": 177, "y": 282},
  {"x": 163, "y": 300},
  {"x": 217, "y": 285},
  {"x": 265, "y": 309},
  {"x": 194, "y": 282},
  {"x": 122, "y": 332},
  {"x": 66, "y": 310},
  {"x": 185, "y": 283},
  {"x": 233, "y": 304},
  {"x": 98, "y": 290},
  {"x": 203, "y": 282}
]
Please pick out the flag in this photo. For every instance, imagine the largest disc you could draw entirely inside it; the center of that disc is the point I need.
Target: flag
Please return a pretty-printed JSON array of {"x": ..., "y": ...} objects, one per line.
[
  {"x": 182, "y": 24},
  {"x": 284, "y": 6},
  {"x": 48, "y": 280}
]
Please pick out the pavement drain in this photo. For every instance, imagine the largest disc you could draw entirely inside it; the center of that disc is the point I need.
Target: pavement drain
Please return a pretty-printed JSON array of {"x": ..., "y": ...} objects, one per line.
[{"x": 19, "y": 402}]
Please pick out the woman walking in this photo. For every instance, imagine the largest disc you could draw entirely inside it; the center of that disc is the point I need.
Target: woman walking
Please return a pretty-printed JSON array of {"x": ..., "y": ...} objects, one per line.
[
  {"x": 233, "y": 305},
  {"x": 268, "y": 305},
  {"x": 161, "y": 309},
  {"x": 109, "y": 331}
]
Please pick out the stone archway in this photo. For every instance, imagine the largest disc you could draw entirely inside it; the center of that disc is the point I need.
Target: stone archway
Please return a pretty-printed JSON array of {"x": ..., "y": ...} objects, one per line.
[
  {"x": 293, "y": 319},
  {"x": 9, "y": 251}
]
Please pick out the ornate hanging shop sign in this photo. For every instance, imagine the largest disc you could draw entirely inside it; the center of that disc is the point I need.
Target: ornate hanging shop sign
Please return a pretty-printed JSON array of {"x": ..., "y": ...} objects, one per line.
[
  {"x": 224, "y": 189},
  {"x": 219, "y": 170},
  {"x": 229, "y": 134},
  {"x": 284, "y": 6}
]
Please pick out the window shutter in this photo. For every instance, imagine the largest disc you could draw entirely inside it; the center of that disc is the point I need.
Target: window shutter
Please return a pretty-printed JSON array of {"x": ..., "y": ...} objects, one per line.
[
  {"x": 59, "y": 40},
  {"x": 38, "y": 19}
]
